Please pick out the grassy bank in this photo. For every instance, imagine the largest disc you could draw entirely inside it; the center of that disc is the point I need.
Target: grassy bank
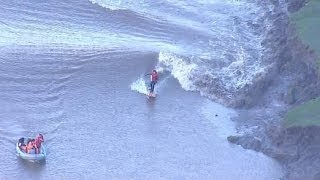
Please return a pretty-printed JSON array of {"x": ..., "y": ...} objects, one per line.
[
  {"x": 307, "y": 21},
  {"x": 304, "y": 115}
]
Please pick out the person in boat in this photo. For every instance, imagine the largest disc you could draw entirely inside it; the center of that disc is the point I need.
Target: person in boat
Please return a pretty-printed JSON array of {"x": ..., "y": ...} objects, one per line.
[
  {"x": 30, "y": 145},
  {"x": 22, "y": 145},
  {"x": 38, "y": 141},
  {"x": 154, "y": 79}
]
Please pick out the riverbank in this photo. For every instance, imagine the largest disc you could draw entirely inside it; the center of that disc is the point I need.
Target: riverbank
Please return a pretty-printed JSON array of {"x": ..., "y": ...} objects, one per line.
[{"x": 278, "y": 121}]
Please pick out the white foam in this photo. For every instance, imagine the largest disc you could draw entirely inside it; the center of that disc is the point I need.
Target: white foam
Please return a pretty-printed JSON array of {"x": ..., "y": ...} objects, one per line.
[
  {"x": 241, "y": 72},
  {"x": 179, "y": 68},
  {"x": 139, "y": 86}
]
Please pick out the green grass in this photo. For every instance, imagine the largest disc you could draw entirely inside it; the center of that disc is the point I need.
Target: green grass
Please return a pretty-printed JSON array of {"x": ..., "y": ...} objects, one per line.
[
  {"x": 304, "y": 115},
  {"x": 307, "y": 21}
]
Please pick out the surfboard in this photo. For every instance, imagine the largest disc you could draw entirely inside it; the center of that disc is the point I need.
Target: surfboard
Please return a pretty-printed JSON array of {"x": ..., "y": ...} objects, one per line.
[{"x": 150, "y": 96}]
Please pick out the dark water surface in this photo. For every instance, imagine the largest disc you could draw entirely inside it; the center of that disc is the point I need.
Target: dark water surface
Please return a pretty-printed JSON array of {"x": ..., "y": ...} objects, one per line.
[
  {"x": 74, "y": 70},
  {"x": 95, "y": 126}
]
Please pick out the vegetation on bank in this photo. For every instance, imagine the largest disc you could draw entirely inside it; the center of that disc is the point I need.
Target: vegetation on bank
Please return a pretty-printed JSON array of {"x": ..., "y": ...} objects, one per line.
[
  {"x": 307, "y": 21},
  {"x": 307, "y": 114}
]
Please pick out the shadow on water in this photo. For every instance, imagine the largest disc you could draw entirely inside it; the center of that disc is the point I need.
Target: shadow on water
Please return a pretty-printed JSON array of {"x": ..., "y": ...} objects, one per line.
[
  {"x": 150, "y": 103},
  {"x": 151, "y": 100},
  {"x": 151, "y": 122},
  {"x": 32, "y": 166}
]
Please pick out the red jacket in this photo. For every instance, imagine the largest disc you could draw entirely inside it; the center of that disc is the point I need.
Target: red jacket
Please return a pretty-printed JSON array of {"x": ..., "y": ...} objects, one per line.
[
  {"x": 38, "y": 142},
  {"x": 154, "y": 76}
]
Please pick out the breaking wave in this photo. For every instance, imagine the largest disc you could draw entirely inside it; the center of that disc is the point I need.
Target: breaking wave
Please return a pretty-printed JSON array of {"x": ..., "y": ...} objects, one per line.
[{"x": 214, "y": 47}]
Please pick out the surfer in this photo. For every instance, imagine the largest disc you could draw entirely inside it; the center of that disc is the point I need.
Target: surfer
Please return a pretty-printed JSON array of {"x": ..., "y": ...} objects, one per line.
[{"x": 154, "y": 79}]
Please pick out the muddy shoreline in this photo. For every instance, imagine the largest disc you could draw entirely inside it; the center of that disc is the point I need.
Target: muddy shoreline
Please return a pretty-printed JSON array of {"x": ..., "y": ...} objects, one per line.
[{"x": 292, "y": 80}]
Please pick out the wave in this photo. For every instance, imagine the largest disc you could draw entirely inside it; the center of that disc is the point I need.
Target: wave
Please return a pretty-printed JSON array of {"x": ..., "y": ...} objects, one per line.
[
  {"x": 214, "y": 47},
  {"x": 179, "y": 68},
  {"x": 218, "y": 83},
  {"x": 173, "y": 26}
]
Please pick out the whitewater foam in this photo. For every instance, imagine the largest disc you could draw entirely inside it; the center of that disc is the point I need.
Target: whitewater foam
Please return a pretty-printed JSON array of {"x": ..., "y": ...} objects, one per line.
[
  {"x": 140, "y": 86},
  {"x": 179, "y": 68}
]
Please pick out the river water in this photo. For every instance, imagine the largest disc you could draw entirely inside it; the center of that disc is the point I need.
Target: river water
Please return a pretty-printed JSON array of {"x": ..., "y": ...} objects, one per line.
[{"x": 74, "y": 71}]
